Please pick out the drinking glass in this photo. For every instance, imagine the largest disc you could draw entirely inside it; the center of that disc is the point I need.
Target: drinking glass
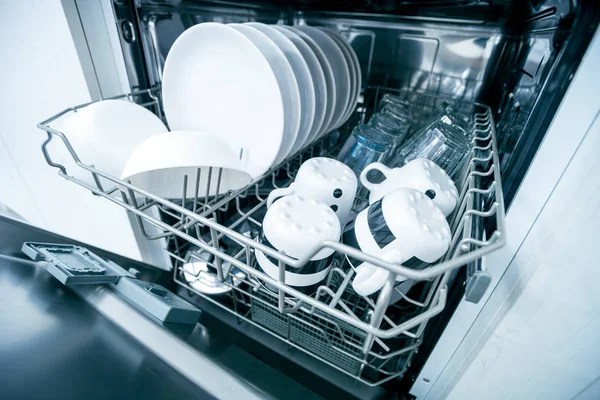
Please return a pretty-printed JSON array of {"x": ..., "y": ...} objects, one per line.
[
  {"x": 364, "y": 146},
  {"x": 394, "y": 127},
  {"x": 396, "y": 105},
  {"x": 447, "y": 114},
  {"x": 439, "y": 142}
]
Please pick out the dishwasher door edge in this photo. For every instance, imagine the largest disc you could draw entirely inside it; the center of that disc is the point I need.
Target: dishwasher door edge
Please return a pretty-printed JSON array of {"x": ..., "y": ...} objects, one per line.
[{"x": 183, "y": 358}]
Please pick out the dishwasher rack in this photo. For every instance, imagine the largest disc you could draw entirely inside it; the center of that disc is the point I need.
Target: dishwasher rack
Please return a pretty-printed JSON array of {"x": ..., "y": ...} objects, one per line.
[{"x": 372, "y": 339}]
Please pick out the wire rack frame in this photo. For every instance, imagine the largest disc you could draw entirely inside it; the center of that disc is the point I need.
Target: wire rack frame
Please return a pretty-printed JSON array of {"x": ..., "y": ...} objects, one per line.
[{"x": 480, "y": 179}]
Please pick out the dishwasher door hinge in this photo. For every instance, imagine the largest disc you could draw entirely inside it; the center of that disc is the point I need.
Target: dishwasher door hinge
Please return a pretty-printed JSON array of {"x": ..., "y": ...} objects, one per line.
[{"x": 76, "y": 265}]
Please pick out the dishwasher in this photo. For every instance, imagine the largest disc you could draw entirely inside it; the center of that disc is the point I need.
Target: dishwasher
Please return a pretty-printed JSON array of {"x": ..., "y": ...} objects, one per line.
[{"x": 507, "y": 65}]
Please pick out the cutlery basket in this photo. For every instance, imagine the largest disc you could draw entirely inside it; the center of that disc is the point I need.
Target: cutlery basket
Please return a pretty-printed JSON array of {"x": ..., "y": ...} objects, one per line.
[{"x": 370, "y": 338}]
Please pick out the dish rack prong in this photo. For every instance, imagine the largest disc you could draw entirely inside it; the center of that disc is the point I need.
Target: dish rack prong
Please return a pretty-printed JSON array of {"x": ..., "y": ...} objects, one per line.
[{"x": 372, "y": 338}]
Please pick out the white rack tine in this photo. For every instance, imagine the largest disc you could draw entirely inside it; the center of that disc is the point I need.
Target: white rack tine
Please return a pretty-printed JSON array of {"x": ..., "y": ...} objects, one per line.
[{"x": 197, "y": 189}]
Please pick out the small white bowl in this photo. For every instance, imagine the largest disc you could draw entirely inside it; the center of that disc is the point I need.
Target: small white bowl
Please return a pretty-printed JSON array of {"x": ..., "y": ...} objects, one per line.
[
  {"x": 104, "y": 134},
  {"x": 158, "y": 165}
]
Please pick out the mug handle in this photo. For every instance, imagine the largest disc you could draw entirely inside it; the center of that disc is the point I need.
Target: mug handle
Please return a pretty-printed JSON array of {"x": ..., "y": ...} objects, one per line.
[
  {"x": 379, "y": 167},
  {"x": 277, "y": 193},
  {"x": 363, "y": 283},
  {"x": 370, "y": 279}
]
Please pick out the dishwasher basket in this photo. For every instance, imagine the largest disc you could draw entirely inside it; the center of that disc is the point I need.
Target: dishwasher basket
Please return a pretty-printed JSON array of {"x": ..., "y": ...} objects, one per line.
[{"x": 364, "y": 337}]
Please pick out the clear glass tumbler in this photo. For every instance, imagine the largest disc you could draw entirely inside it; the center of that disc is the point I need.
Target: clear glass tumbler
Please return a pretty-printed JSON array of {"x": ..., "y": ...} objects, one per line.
[
  {"x": 364, "y": 146},
  {"x": 396, "y": 104},
  {"x": 394, "y": 127},
  {"x": 439, "y": 142},
  {"x": 447, "y": 114}
]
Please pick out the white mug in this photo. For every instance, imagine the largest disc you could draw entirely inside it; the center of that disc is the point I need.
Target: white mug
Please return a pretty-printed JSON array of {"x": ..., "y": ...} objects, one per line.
[
  {"x": 296, "y": 226},
  {"x": 420, "y": 174},
  {"x": 405, "y": 227},
  {"x": 326, "y": 180}
]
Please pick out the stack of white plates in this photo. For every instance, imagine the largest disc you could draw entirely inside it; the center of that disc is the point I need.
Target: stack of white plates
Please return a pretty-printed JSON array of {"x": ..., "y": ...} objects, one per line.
[{"x": 269, "y": 90}]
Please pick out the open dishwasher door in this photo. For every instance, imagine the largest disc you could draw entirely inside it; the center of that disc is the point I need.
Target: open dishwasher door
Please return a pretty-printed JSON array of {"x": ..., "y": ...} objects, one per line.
[
  {"x": 520, "y": 59},
  {"x": 88, "y": 340}
]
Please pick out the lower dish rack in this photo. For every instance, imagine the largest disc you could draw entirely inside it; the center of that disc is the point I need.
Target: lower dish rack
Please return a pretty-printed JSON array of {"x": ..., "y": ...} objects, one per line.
[{"x": 372, "y": 338}]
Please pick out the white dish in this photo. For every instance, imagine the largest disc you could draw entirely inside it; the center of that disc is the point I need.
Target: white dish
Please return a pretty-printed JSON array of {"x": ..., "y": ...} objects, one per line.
[
  {"x": 353, "y": 80},
  {"x": 160, "y": 163},
  {"x": 340, "y": 69},
  {"x": 290, "y": 93},
  {"x": 104, "y": 134},
  {"x": 356, "y": 74},
  {"x": 303, "y": 78},
  {"x": 328, "y": 75},
  {"x": 217, "y": 80},
  {"x": 318, "y": 79}
]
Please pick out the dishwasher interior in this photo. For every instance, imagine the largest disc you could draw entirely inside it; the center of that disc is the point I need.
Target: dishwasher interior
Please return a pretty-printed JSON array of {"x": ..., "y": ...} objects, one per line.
[{"x": 504, "y": 64}]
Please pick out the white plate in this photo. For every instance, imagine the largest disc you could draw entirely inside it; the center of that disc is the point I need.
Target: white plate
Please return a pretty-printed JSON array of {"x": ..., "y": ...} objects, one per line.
[
  {"x": 303, "y": 77},
  {"x": 160, "y": 163},
  {"x": 328, "y": 74},
  {"x": 358, "y": 75},
  {"x": 217, "y": 80},
  {"x": 340, "y": 43},
  {"x": 355, "y": 78},
  {"x": 318, "y": 79},
  {"x": 340, "y": 68},
  {"x": 290, "y": 93},
  {"x": 104, "y": 134}
]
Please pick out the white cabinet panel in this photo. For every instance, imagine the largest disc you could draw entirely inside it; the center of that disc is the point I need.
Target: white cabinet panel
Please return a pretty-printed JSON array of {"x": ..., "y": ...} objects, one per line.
[
  {"x": 546, "y": 346},
  {"x": 41, "y": 75}
]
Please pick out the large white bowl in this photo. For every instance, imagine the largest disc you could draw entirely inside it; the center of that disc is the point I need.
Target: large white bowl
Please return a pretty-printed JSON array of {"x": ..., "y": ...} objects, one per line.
[
  {"x": 160, "y": 163},
  {"x": 217, "y": 80},
  {"x": 290, "y": 92},
  {"x": 104, "y": 134}
]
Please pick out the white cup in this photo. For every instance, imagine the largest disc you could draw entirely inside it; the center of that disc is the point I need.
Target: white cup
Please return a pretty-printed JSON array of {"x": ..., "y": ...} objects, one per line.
[
  {"x": 405, "y": 227},
  {"x": 325, "y": 180},
  {"x": 297, "y": 225},
  {"x": 420, "y": 174}
]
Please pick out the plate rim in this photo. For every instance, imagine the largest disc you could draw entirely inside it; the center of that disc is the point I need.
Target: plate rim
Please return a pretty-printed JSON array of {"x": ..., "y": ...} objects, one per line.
[
  {"x": 327, "y": 73},
  {"x": 315, "y": 130},
  {"x": 353, "y": 73},
  {"x": 254, "y": 168},
  {"x": 308, "y": 114},
  {"x": 340, "y": 81},
  {"x": 287, "y": 72},
  {"x": 358, "y": 70}
]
